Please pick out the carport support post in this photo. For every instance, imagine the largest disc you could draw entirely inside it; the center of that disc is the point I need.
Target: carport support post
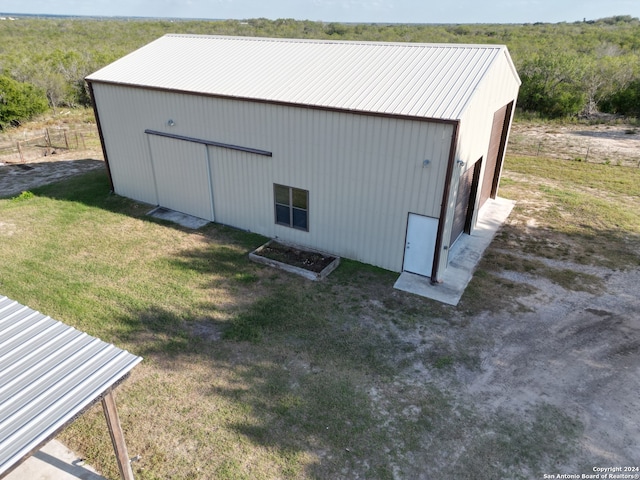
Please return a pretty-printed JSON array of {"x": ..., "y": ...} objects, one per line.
[{"x": 117, "y": 436}]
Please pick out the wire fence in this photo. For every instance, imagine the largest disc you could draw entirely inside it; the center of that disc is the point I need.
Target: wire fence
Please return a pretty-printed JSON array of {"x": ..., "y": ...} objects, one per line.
[
  {"x": 20, "y": 148},
  {"x": 624, "y": 151},
  {"x": 50, "y": 141}
]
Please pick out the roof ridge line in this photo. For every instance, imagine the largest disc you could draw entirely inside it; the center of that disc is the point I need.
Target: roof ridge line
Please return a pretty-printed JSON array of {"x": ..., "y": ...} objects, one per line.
[{"x": 336, "y": 42}]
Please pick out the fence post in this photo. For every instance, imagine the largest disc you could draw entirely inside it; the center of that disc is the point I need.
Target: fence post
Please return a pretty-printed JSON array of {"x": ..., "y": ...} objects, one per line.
[
  {"x": 66, "y": 140},
  {"x": 20, "y": 152}
]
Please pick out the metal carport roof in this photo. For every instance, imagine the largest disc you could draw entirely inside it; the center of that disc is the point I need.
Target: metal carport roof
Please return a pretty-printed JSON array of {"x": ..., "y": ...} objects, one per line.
[{"x": 51, "y": 373}]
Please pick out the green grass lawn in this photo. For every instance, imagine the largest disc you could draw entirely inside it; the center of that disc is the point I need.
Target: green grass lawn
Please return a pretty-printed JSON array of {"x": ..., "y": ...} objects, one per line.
[
  {"x": 585, "y": 213},
  {"x": 250, "y": 372}
]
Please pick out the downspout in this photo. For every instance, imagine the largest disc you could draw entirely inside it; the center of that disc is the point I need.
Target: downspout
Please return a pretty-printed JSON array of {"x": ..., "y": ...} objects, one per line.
[
  {"x": 445, "y": 202},
  {"x": 99, "y": 125}
]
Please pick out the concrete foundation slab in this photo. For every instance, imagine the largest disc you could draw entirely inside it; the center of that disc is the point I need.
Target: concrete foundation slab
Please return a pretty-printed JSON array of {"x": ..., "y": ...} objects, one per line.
[
  {"x": 54, "y": 461},
  {"x": 182, "y": 219},
  {"x": 463, "y": 257}
]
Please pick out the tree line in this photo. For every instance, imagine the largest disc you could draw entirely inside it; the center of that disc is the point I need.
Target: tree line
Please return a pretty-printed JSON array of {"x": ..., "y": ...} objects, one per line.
[{"x": 567, "y": 69}]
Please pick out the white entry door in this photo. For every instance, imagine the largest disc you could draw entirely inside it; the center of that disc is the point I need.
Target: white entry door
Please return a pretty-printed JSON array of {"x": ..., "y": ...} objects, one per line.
[{"x": 421, "y": 244}]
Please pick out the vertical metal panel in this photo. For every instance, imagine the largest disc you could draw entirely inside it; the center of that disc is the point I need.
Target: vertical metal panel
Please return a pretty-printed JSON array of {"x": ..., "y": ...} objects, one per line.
[
  {"x": 127, "y": 146},
  {"x": 181, "y": 173},
  {"x": 499, "y": 86},
  {"x": 239, "y": 182},
  {"x": 363, "y": 173},
  {"x": 361, "y": 180},
  {"x": 495, "y": 144}
]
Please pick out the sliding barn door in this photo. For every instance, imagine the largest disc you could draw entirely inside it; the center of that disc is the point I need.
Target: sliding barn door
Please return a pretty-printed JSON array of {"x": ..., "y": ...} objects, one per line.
[{"x": 181, "y": 171}]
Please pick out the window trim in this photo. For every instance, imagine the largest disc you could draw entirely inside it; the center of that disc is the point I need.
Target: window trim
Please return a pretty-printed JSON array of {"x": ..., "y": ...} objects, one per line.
[{"x": 290, "y": 206}]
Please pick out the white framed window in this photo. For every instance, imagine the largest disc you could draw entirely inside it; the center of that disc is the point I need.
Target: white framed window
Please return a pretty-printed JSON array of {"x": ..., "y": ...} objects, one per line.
[{"x": 291, "y": 207}]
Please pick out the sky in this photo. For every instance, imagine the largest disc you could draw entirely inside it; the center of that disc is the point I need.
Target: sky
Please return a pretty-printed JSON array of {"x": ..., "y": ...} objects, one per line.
[{"x": 363, "y": 11}]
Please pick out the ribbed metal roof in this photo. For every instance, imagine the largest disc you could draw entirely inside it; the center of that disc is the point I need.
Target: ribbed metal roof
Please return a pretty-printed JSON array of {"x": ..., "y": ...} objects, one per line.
[
  {"x": 412, "y": 79},
  {"x": 50, "y": 373}
]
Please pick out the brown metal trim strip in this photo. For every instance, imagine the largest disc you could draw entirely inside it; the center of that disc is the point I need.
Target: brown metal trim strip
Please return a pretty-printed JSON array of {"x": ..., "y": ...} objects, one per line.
[
  {"x": 444, "y": 206},
  {"x": 209, "y": 142},
  {"x": 99, "y": 125},
  {"x": 285, "y": 104}
]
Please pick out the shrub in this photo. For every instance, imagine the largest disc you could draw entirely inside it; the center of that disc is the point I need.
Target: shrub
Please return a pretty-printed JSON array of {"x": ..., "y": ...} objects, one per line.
[
  {"x": 551, "y": 84},
  {"x": 19, "y": 102},
  {"x": 624, "y": 102}
]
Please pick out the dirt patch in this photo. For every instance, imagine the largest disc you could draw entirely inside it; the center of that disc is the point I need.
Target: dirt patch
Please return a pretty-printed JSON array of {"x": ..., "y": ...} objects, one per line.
[
  {"x": 19, "y": 177},
  {"x": 558, "y": 367},
  {"x": 573, "y": 350},
  {"x": 617, "y": 144}
]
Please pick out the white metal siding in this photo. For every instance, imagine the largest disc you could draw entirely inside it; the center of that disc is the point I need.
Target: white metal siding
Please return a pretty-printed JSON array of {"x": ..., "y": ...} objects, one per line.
[
  {"x": 238, "y": 179},
  {"x": 363, "y": 173},
  {"x": 412, "y": 79},
  {"x": 129, "y": 156},
  {"x": 50, "y": 373},
  {"x": 498, "y": 88},
  {"x": 181, "y": 173}
]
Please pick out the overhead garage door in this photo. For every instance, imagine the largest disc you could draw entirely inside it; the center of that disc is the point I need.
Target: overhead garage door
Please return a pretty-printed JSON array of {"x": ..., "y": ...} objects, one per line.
[
  {"x": 495, "y": 155},
  {"x": 467, "y": 189},
  {"x": 181, "y": 171}
]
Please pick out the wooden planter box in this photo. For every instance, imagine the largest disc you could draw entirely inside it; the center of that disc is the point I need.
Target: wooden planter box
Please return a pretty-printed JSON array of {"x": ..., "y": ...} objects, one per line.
[{"x": 263, "y": 253}]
